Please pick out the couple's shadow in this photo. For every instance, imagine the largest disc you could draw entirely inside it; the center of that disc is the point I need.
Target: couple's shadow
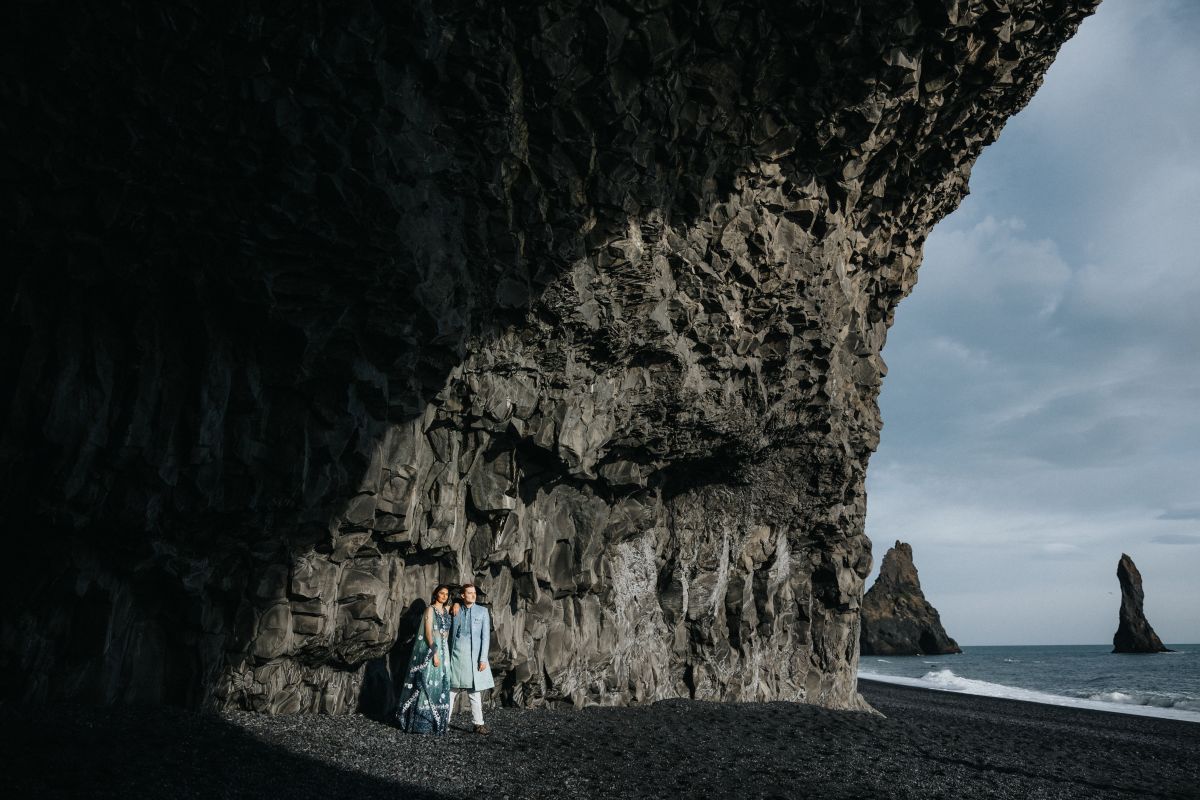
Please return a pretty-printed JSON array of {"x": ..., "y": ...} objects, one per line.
[{"x": 384, "y": 676}]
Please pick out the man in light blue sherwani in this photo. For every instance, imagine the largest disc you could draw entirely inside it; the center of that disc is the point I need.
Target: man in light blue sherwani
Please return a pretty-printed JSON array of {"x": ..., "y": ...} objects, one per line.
[{"x": 470, "y": 636}]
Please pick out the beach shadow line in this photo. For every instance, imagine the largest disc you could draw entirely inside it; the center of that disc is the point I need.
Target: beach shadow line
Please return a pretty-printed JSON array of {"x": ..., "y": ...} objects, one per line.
[{"x": 151, "y": 753}]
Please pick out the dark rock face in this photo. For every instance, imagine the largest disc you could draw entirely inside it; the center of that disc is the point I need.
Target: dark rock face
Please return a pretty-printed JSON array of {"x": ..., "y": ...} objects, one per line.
[
  {"x": 897, "y": 620},
  {"x": 318, "y": 308},
  {"x": 1134, "y": 634}
]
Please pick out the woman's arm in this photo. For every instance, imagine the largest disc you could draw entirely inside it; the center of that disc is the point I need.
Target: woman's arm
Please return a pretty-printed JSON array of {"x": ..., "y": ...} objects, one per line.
[{"x": 429, "y": 626}]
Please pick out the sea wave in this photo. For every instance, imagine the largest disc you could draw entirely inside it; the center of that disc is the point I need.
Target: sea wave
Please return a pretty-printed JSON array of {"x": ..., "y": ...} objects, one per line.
[
  {"x": 1155, "y": 699},
  {"x": 1186, "y": 709}
]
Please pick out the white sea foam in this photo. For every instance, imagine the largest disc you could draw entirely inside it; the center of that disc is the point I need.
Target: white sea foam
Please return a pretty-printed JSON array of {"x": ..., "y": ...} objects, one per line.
[
  {"x": 1155, "y": 699},
  {"x": 883, "y": 661},
  {"x": 1112, "y": 697},
  {"x": 1120, "y": 702}
]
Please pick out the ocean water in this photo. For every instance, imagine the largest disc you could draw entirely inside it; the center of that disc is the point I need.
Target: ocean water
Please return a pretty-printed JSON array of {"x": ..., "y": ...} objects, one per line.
[{"x": 1083, "y": 676}]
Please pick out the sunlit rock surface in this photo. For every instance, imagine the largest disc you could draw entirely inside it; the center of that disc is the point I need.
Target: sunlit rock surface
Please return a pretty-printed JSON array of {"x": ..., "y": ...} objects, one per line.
[
  {"x": 897, "y": 620},
  {"x": 314, "y": 309},
  {"x": 1134, "y": 634}
]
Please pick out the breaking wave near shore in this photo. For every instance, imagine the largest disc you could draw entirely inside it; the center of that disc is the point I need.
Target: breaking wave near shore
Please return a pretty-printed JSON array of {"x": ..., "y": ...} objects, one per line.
[{"x": 1163, "y": 685}]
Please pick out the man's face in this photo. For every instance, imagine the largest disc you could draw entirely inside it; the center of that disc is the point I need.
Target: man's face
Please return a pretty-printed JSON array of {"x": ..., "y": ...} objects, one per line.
[{"x": 469, "y": 595}]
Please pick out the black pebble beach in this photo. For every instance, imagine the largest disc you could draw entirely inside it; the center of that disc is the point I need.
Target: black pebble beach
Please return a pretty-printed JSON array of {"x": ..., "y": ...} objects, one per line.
[{"x": 929, "y": 745}]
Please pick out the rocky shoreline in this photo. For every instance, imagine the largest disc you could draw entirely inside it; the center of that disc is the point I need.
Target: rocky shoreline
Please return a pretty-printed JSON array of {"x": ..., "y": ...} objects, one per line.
[{"x": 928, "y": 745}]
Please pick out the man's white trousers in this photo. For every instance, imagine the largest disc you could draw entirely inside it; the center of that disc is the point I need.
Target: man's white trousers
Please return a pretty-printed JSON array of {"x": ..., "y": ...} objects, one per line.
[{"x": 476, "y": 699}]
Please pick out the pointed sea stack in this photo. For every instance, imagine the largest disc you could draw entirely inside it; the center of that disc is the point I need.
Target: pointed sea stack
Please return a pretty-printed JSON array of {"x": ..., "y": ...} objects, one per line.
[
  {"x": 1134, "y": 634},
  {"x": 897, "y": 620}
]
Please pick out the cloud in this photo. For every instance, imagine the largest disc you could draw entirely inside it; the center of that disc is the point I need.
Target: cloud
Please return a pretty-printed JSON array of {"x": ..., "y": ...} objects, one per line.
[
  {"x": 1181, "y": 512},
  {"x": 1105, "y": 163},
  {"x": 1177, "y": 538},
  {"x": 1039, "y": 408},
  {"x": 1060, "y": 549},
  {"x": 989, "y": 275}
]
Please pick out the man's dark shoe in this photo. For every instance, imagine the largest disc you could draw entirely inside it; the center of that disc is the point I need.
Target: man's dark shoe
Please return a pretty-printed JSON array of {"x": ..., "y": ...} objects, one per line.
[{"x": 482, "y": 730}]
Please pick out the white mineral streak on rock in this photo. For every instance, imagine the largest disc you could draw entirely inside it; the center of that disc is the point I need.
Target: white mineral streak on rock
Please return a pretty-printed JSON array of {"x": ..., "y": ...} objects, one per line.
[{"x": 684, "y": 573}]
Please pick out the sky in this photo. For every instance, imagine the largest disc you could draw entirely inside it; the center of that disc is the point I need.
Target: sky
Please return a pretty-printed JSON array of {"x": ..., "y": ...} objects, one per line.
[{"x": 1042, "y": 405}]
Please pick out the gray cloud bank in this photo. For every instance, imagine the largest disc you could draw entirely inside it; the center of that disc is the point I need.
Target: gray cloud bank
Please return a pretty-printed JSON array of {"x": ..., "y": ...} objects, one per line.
[{"x": 1040, "y": 408}]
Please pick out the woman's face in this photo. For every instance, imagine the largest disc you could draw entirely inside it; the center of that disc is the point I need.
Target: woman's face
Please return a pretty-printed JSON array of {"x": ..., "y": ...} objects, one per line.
[{"x": 443, "y": 595}]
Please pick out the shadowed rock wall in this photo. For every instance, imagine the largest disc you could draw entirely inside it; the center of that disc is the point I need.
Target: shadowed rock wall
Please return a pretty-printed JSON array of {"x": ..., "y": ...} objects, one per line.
[{"x": 315, "y": 308}]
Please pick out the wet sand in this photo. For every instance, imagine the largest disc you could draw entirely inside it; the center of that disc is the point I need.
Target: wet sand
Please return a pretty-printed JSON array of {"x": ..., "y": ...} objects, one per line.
[{"x": 930, "y": 745}]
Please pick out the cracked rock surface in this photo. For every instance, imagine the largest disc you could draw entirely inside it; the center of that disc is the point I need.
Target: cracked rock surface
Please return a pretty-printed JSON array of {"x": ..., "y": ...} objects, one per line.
[{"x": 316, "y": 309}]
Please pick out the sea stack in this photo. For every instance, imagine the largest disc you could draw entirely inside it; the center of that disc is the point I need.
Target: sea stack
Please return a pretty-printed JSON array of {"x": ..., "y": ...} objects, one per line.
[
  {"x": 897, "y": 620},
  {"x": 1134, "y": 634}
]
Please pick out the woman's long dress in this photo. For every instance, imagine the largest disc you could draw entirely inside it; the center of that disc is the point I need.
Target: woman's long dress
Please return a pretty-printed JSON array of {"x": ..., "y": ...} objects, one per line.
[{"x": 425, "y": 701}]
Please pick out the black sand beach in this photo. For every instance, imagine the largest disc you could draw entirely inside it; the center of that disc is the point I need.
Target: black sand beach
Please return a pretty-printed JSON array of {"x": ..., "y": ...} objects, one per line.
[{"x": 930, "y": 745}]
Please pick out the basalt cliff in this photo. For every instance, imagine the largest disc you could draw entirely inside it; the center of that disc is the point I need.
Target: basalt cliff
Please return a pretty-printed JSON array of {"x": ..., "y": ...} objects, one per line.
[
  {"x": 897, "y": 620},
  {"x": 309, "y": 308},
  {"x": 1134, "y": 634}
]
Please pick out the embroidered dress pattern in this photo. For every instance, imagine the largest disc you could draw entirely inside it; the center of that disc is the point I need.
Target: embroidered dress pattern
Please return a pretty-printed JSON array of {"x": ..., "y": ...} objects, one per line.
[{"x": 425, "y": 701}]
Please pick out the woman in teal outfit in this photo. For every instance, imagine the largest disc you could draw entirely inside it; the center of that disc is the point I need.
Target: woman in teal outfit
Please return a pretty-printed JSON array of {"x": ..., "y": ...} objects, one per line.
[{"x": 425, "y": 701}]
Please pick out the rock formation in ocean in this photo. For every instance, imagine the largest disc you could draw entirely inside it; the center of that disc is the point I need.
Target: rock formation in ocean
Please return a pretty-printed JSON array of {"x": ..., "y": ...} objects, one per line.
[
  {"x": 1134, "y": 634},
  {"x": 311, "y": 308},
  {"x": 897, "y": 620}
]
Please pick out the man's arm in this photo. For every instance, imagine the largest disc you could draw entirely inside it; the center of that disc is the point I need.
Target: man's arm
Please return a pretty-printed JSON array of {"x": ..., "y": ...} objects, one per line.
[{"x": 485, "y": 640}]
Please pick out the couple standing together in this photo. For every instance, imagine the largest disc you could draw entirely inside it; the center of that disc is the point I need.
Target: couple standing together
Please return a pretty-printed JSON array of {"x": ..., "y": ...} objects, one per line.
[{"x": 450, "y": 655}]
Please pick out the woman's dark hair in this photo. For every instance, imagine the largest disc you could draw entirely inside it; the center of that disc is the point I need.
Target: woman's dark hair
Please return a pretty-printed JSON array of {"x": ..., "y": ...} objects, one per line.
[{"x": 440, "y": 586}]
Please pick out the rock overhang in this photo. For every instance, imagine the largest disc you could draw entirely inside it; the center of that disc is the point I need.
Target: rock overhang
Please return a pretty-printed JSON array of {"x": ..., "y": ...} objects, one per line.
[{"x": 584, "y": 305}]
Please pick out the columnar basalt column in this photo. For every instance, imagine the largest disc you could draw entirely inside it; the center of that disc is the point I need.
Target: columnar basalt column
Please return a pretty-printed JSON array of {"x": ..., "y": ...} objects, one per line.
[{"x": 317, "y": 308}]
